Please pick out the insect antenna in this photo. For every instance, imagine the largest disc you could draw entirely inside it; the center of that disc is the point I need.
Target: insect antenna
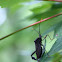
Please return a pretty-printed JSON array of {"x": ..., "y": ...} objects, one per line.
[{"x": 37, "y": 31}]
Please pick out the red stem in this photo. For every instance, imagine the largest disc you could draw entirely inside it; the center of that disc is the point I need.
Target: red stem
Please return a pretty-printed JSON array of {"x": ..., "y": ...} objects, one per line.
[{"x": 29, "y": 26}]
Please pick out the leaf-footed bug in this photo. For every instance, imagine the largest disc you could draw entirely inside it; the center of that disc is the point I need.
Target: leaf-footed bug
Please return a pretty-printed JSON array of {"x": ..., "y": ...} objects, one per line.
[{"x": 40, "y": 48}]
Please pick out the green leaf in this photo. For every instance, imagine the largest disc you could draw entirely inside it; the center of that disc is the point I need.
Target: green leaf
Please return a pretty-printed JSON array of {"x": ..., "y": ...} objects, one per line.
[
  {"x": 52, "y": 10},
  {"x": 41, "y": 8},
  {"x": 57, "y": 57},
  {"x": 58, "y": 30},
  {"x": 9, "y": 3},
  {"x": 56, "y": 48}
]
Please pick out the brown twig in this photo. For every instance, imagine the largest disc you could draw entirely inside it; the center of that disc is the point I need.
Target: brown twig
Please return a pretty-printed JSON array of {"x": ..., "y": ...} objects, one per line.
[
  {"x": 29, "y": 26},
  {"x": 56, "y": 0}
]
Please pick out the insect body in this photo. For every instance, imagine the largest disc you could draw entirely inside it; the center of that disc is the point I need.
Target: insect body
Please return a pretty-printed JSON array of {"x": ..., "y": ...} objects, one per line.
[{"x": 40, "y": 48}]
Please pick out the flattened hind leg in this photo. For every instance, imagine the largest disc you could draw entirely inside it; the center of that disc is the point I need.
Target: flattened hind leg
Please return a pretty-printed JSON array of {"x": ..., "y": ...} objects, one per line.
[
  {"x": 32, "y": 55},
  {"x": 43, "y": 50}
]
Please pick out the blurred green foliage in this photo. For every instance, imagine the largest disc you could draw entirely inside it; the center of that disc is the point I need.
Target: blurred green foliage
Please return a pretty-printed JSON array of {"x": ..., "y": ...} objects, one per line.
[
  {"x": 10, "y": 3},
  {"x": 18, "y": 47},
  {"x": 57, "y": 58}
]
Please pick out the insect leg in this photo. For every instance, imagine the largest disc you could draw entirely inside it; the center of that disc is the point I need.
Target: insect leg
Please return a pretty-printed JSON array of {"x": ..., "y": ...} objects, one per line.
[
  {"x": 48, "y": 36},
  {"x": 43, "y": 50},
  {"x": 44, "y": 37},
  {"x": 32, "y": 55}
]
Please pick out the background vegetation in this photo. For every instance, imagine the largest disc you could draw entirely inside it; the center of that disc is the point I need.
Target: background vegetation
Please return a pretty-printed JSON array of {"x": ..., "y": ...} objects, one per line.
[{"x": 19, "y": 14}]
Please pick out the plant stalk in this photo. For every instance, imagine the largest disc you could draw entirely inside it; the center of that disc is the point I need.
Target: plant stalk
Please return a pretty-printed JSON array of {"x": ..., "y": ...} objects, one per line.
[{"x": 29, "y": 26}]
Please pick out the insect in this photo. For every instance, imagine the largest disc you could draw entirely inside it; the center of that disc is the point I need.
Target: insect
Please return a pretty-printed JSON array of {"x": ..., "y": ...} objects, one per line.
[{"x": 40, "y": 48}]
